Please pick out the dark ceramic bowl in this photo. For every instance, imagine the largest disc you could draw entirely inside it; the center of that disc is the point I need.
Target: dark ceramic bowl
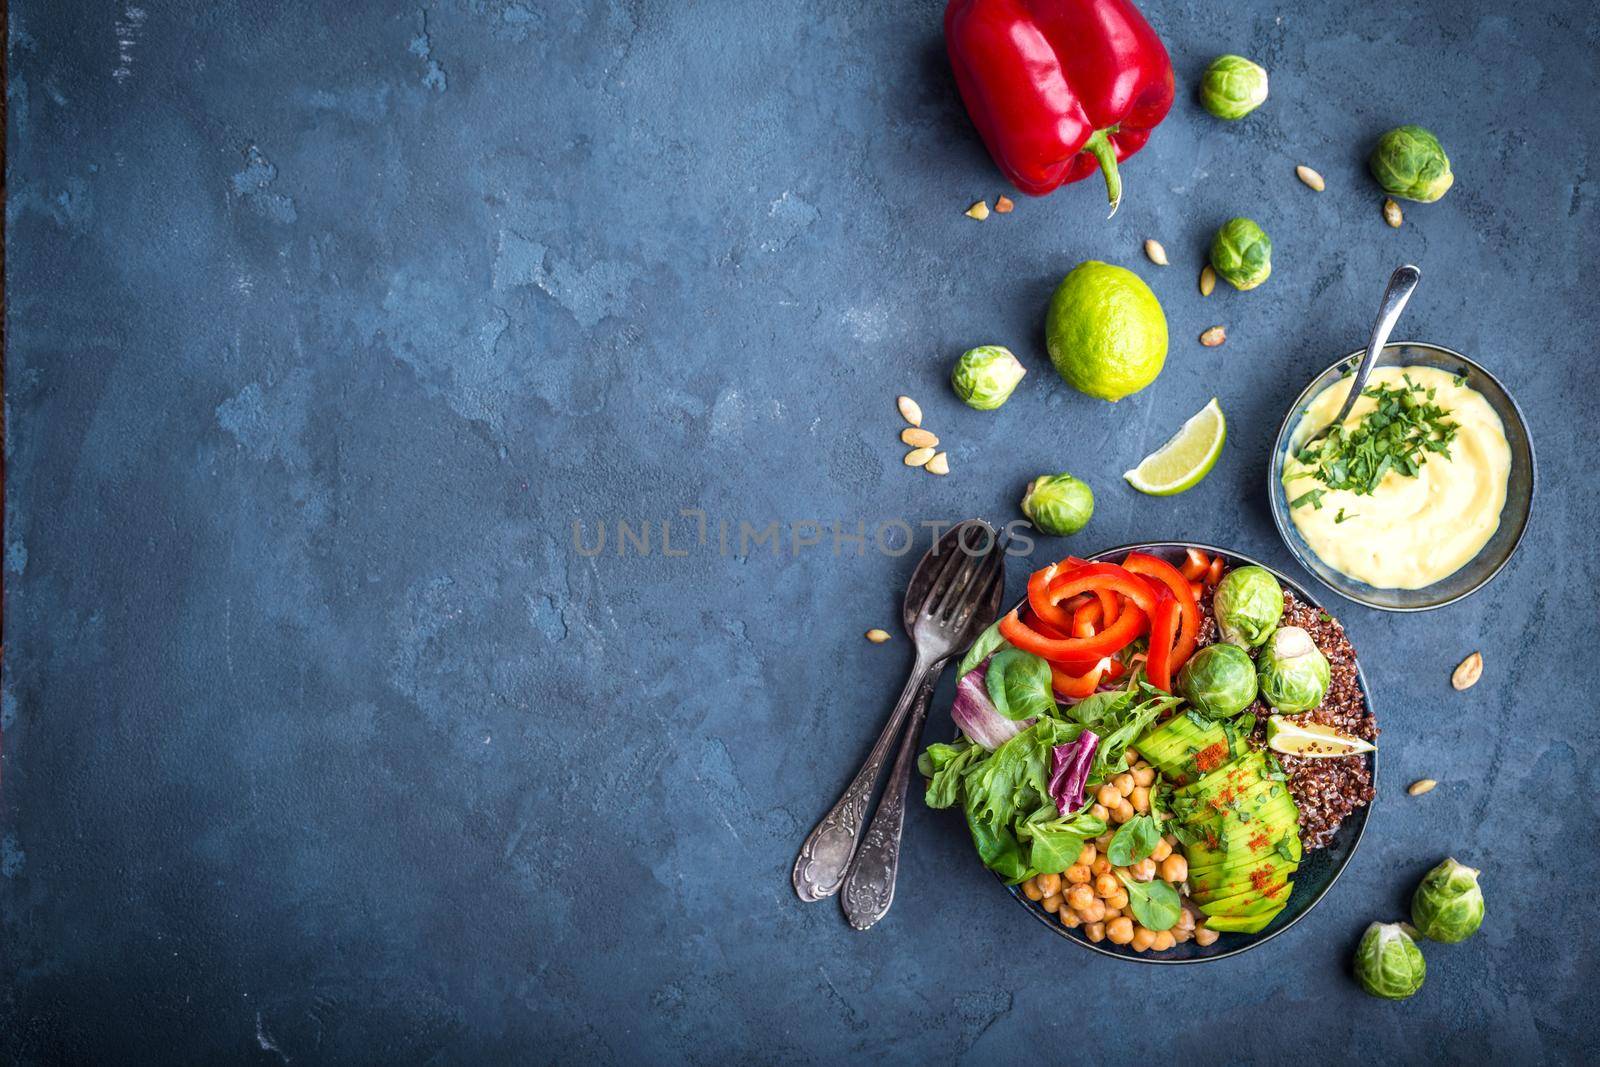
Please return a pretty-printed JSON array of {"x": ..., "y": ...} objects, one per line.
[
  {"x": 1319, "y": 869},
  {"x": 1520, "y": 485}
]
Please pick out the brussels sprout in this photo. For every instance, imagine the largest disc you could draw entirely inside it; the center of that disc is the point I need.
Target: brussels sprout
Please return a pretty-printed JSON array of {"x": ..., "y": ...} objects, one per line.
[
  {"x": 1291, "y": 671},
  {"x": 1058, "y": 504},
  {"x": 1388, "y": 963},
  {"x": 1448, "y": 905},
  {"x": 1248, "y": 604},
  {"x": 1241, "y": 254},
  {"x": 985, "y": 376},
  {"x": 1218, "y": 680},
  {"x": 1232, "y": 87},
  {"x": 1409, "y": 163}
]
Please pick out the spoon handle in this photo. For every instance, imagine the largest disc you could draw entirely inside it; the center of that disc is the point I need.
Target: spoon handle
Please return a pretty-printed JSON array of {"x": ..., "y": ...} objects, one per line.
[
  {"x": 825, "y": 857},
  {"x": 1402, "y": 283},
  {"x": 869, "y": 889}
]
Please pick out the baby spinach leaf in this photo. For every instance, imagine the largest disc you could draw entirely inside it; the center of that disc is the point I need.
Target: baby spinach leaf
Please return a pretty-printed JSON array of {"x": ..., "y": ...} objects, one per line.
[
  {"x": 1135, "y": 840},
  {"x": 1019, "y": 685},
  {"x": 987, "y": 642},
  {"x": 1155, "y": 904}
]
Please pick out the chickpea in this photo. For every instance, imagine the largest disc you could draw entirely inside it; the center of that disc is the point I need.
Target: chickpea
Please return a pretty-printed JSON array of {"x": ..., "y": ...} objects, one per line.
[
  {"x": 1161, "y": 851},
  {"x": 1164, "y": 941},
  {"x": 1179, "y": 936},
  {"x": 1142, "y": 939},
  {"x": 1185, "y": 923},
  {"x": 1132, "y": 756},
  {"x": 1100, "y": 865},
  {"x": 1095, "y": 932},
  {"x": 1069, "y": 918},
  {"x": 1077, "y": 874},
  {"x": 1031, "y": 891},
  {"x": 1204, "y": 936},
  {"x": 1052, "y": 903},
  {"x": 1095, "y": 912},
  {"x": 1103, "y": 842},
  {"x": 1124, "y": 783},
  {"x": 1109, "y": 795},
  {"x": 1122, "y": 812},
  {"x": 1174, "y": 869},
  {"x": 1143, "y": 871},
  {"x": 1112, "y": 913},
  {"x": 1117, "y": 900},
  {"x": 1088, "y": 854},
  {"x": 1140, "y": 798},
  {"x": 1079, "y": 897},
  {"x": 1105, "y": 885},
  {"x": 1049, "y": 884},
  {"x": 1144, "y": 775},
  {"x": 1100, "y": 811},
  {"x": 1119, "y": 931}
]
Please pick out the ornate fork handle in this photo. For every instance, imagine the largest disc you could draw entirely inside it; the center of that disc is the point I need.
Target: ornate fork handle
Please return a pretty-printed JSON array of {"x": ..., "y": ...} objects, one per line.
[
  {"x": 869, "y": 889},
  {"x": 825, "y": 857}
]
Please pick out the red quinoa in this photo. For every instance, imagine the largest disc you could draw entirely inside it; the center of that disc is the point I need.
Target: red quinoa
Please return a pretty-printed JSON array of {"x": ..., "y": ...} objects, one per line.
[{"x": 1325, "y": 790}]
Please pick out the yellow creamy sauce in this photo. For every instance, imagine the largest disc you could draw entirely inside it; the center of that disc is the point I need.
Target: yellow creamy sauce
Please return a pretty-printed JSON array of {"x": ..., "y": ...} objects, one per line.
[{"x": 1410, "y": 531}]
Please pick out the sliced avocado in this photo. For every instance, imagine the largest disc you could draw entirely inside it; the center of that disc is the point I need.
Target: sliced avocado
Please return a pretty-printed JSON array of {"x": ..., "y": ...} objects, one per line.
[
  {"x": 1232, "y": 776},
  {"x": 1251, "y": 901},
  {"x": 1175, "y": 747},
  {"x": 1254, "y": 924},
  {"x": 1262, "y": 800},
  {"x": 1227, "y": 880}
]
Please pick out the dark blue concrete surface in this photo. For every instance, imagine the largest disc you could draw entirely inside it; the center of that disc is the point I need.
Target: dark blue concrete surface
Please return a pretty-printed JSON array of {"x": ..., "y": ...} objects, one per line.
[{"x": 325, "y": 324}]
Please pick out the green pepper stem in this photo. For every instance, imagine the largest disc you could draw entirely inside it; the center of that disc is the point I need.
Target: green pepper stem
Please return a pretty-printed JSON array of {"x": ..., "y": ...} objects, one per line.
[{"x": 1105, "y": 153}]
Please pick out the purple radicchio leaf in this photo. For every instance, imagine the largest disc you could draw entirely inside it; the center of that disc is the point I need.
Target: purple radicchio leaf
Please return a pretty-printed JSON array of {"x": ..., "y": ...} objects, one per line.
[
  {"x": 1069, "y": 771},
  {"x": 976, "y": 716}
]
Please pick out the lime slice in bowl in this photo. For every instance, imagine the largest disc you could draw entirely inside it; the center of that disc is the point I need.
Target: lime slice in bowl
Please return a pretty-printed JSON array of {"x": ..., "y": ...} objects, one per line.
[
  {"x": 1186, "y": 458},
  {"x": 1312, "y": 739}
]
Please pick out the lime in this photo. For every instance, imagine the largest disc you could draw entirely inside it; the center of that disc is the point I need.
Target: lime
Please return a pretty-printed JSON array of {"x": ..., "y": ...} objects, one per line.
[
  {"x": 1105, "y": 331},
  {"x": 1311, "y": 739},
  {"x": 1186, "y": 458}
]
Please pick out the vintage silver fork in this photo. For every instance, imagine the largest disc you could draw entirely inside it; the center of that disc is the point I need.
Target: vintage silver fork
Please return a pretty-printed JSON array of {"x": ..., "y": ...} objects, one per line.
[{"x": 954, "y": 593}]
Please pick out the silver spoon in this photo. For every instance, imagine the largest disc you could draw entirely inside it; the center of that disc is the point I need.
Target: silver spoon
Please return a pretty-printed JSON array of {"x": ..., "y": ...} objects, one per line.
[
  {"x": 1402, "y": 283},
  {"x": 949, "y": 592}
]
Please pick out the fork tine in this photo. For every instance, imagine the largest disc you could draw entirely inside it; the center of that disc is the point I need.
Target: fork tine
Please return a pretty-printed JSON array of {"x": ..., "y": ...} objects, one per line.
[
  {"x": 991, "y": 572},
  {"x": 961, "y": 584},
  {"x": 947, "y": 568}
]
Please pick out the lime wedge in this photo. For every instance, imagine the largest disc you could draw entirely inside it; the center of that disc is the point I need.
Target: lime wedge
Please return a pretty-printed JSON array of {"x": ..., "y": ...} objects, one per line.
[
  {"x": 1188, "y": 457},
  {"x": 1311, "y": 739}
]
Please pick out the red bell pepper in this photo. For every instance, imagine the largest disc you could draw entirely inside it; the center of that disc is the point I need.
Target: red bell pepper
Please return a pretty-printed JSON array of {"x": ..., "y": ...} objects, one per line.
[
  {"x": 1059, "y": 88},
  {"x": 1078, "y": 686},
  {"x": 1158, "y": 666},
  {"x": 1166, "y": 574},
  {"x": 1097, "y": 576},
  {"x": 1071, "y": 652}
]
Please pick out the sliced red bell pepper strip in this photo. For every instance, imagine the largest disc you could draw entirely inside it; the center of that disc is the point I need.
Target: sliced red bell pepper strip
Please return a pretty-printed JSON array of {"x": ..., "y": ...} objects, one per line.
[
  {"x": 1189, "y": 607},
  {"x": 1086, "y": 619},
  {"x": 1195, "y": 563},
  {"x": 1214, "y": 572},
  {"x": 1097, "y": 576},
  {"x": 1065, "y": 650},
  {"x": 1048, "y": 608},
  {"x": 1163, "y": 630},
  {"x": 1078, "y": 686},
  {"x": 1198, "y": 589}
]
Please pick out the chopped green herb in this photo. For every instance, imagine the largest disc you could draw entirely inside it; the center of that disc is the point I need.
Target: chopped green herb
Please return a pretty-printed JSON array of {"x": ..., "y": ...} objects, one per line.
[
  {"x": 1397, "y": 434},
  {"x": 1342, "y": 516},
  {"x": 1324, "y": 616},
  {"x": 1459, "y": 380},
  {"x": 1311, "y": 496},
  {"x": 1284, "y": 849}
]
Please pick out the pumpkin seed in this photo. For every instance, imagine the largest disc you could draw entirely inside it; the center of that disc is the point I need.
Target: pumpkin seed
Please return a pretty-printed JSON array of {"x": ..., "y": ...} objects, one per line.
[
  {"x": 918, "y": 438},
  {"x": 1467, "y": 674},
  {"x": 1310, "y": 177},
  {"x": 1157, "y": 254},
  {"x": 939, "y": 464},
  {"x": 1391, "y": 213},
  {"x": 1421, "y": 786},
  {"x": 877, "y": 636},
  {"x": 979, "y": 211},
  {"x": 909, "y": 410},
  {"x": 1208, "y": 280},
  {"x": 1214, "y": 337},
  {"x": 918, "y": 457}
]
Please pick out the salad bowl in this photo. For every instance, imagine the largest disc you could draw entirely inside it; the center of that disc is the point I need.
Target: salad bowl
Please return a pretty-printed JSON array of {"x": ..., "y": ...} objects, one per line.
[{"x": 1318, "y": 871}]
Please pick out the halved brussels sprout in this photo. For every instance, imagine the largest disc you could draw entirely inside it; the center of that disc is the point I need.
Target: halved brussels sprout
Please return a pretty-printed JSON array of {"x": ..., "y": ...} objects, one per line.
[
  {"x": 1248, "y": 604},
  {"x": 1448, "y": 905},
  {"x": 1058, "y": 504},
  {"x": 1232, "y": 87},
  {"x": 1219, "y": 681},
  {"x": 1291, "y": 671},
  {"x": 985, "y": 376},
  {"x": 1410, "y": 163},
  {"x": 1388, "y": 963},
  {"x": 1241, "y": 253}
]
